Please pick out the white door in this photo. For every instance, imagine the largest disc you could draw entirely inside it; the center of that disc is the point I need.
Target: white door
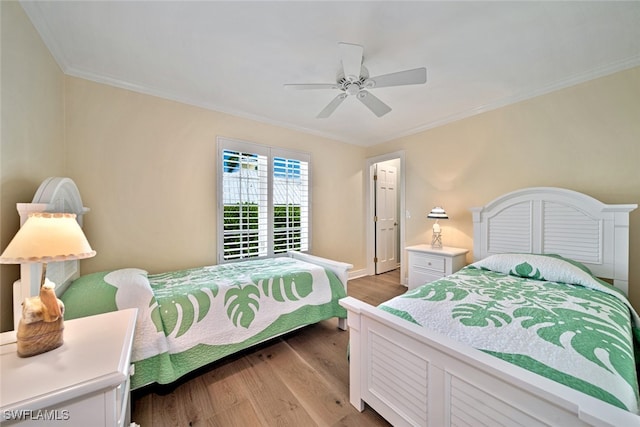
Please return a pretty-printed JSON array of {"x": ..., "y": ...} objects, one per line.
[{"x": 386, "y": 218}]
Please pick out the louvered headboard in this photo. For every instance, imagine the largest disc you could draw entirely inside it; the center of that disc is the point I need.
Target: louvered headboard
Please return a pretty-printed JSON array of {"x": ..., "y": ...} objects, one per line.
[{"x": 548, "y": 220}]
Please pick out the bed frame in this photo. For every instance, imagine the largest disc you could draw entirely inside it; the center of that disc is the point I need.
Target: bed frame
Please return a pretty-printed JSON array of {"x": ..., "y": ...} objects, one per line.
[
  {"x": 340, "y": 269},
  {"x": 414, "y": 376}
]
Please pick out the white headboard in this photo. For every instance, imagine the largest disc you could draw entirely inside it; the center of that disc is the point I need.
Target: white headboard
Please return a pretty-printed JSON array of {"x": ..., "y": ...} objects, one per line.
[
  {"x": 548, "y": 220},
  {"x": 55, "y": 194}
]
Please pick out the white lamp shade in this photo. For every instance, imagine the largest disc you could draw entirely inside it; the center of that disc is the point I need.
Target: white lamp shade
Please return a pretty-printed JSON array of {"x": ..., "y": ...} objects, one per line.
[
  {"x": 48, "y": 237},
  {"x": 437, "y": 213}
]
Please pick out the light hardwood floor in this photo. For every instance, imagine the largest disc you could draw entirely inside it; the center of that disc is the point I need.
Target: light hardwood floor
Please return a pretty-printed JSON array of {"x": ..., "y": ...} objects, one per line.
[{"x": 301, "y": 379}]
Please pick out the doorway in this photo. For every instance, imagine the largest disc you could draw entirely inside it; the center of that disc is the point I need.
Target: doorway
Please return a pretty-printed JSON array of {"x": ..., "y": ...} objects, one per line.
[
  {"x": 385, "y": 221},
  {"x": 385, "y": 216}
]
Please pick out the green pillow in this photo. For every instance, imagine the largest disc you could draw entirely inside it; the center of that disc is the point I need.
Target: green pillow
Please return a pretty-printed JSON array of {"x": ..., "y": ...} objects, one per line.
[{"x": 89, "y": 295}]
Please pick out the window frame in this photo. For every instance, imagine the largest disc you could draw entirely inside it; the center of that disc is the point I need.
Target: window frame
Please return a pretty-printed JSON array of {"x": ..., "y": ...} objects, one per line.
[{"x": 224, "y": 143}]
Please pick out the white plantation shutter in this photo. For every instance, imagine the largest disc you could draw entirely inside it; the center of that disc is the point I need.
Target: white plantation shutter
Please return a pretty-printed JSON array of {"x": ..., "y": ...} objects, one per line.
[
  {"x": 245, "y": 200},
  {"x": 263, "y": 200},
  {"x": 290, "y": 201}
]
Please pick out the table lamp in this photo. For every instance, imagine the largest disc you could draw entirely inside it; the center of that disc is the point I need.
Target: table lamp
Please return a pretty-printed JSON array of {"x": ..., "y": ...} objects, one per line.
[
  {"x": 437, "y": 213},
  {"x": 44, "y": 238}
]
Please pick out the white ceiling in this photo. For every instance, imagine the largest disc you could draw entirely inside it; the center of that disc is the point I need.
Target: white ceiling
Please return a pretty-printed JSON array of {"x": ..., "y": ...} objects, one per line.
[{"x": 235, "y": 56}]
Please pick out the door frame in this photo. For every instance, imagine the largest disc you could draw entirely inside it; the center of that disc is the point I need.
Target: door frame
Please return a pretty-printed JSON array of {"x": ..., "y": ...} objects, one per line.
[{"x": 370, "y": 209}]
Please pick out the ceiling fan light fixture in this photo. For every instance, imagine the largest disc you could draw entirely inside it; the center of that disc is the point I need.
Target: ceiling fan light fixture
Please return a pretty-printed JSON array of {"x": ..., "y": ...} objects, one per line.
[{"x": 352, "y": 89}]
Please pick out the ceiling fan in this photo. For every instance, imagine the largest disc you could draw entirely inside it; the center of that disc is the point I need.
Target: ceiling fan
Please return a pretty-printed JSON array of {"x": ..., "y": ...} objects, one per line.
[{"x": 354, "y": 79}]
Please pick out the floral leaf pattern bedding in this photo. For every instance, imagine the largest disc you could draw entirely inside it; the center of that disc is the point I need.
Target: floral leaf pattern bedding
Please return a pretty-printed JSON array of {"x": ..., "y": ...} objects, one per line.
[
  {"x": 192, "y": 317},
  {"x": 578, "y": 331}
]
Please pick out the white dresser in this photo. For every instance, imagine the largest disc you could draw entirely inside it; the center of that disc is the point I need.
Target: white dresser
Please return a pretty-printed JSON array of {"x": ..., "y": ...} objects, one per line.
[
  {"x": 85, "y": 382},
  {"x": 427, "y": 264}
]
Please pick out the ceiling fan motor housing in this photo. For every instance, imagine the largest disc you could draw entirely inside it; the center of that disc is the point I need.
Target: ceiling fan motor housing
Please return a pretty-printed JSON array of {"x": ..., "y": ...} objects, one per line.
[{"x": 351, "y": 85}]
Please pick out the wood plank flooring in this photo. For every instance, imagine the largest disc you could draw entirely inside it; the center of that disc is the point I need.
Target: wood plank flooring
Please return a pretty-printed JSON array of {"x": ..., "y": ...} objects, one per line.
[{"x": 301, "y": 379}]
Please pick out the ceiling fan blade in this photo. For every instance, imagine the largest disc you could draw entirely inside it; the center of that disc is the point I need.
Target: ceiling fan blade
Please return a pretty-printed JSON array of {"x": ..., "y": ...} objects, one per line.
[
  {"x": 332, "y": 106},
  {"x": 408, "y": 77},
  {"x": 378, "y": 107},
  {"x": 311, "y": 86},
  {"x": 351, "y": 55}
]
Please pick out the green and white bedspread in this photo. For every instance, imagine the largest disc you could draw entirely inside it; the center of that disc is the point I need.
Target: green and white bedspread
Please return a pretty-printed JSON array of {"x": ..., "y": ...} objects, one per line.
[
  {"x": 189, "y": 318},
  {"x": 543, "y": 313}
]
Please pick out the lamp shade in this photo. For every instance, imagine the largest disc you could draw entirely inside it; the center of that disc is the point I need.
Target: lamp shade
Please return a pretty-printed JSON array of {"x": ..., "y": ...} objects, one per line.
[
  {"x": 437, "y": 213},
  {"x": 48, "y": 237}
]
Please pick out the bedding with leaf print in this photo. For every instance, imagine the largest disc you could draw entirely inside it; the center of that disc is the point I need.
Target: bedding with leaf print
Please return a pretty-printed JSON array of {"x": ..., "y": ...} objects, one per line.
[
  {"x": 580, "y": 335},
  {"x": 190, "y": 318},
  {"x": 230, "y": 303},
  {"x": 107, "y": 291}
]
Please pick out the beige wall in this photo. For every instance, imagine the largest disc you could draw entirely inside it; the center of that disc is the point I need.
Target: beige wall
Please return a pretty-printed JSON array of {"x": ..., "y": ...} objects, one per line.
[
  {"x": 146, "y": 167},
  {"x": 32, "y": 136},
  {"x": 585, "y": 138}
]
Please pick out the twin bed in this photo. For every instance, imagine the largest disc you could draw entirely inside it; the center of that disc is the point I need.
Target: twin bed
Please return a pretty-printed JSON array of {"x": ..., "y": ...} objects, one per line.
[
  {"x": 189, "y": 318},
  {"x": 517, "y": 338}
]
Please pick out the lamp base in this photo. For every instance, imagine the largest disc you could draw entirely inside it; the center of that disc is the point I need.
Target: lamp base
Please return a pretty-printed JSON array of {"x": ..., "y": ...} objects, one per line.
[
  {"x": 39, "y": 337},
  {"x": 436, "y": 240}
]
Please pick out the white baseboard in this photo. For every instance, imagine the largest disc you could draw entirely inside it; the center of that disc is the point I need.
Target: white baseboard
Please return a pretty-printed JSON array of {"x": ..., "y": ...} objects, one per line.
[{"x": 354, "y": 274}]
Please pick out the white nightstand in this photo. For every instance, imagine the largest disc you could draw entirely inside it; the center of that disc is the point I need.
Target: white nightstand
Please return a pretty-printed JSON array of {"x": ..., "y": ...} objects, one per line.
[
  {"x": 85, "y": 382},
  {"x": 427, "y": 264}
]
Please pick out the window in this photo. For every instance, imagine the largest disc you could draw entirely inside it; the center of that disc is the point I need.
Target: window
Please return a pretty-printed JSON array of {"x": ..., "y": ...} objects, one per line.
[{"x": 263, "y": 200}]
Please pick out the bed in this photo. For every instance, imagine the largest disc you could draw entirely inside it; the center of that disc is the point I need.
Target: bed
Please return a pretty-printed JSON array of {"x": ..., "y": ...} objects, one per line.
[
  {"x": 189, "y": 318},
  {"x": 449, "y": 352}
]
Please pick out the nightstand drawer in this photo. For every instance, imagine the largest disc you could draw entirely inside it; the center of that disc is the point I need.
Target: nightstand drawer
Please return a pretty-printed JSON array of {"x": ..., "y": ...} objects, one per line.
[
  {"x": 420, "y": 276},
  {"x": 427, "y": 264},
  {"x": 434, "y": 263}
]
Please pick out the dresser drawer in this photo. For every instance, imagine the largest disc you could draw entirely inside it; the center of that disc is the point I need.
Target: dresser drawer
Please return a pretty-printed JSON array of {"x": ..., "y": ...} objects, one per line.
[{"x": 434, "y": 263}]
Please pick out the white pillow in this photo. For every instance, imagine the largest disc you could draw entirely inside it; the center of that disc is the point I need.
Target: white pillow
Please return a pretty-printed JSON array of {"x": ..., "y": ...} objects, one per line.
[{"x": 551, "y": 268}]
